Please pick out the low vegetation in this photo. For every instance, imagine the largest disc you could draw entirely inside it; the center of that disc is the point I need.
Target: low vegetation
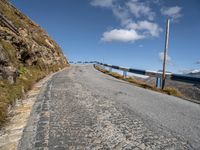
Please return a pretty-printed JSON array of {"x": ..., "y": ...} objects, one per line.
[
  {"x": 9, "y": 50},
  {"x": 11, "y": 15},
  {"x": 9, "y": 92},
  {"x": 169, "y": 91}
]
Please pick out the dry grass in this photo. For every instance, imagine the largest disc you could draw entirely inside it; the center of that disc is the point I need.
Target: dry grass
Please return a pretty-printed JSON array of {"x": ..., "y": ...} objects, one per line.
[
  {"x": 28, "y": 76},
  {"x": 116, "y": 75},
  {"x": 173, "y": 91},
  {"x": 169, "y": 91},
  {"x": 11, "y": 15},
  {"x": 9, "y": 93},
  {"x": 8, "y": 50},
  {"x": 40, "y": 39}
]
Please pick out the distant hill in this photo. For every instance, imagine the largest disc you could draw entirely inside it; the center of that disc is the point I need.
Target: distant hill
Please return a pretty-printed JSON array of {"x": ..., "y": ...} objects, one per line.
[
  {"x": 190, "y": 91},
  {"x": 195, "y": 74}
]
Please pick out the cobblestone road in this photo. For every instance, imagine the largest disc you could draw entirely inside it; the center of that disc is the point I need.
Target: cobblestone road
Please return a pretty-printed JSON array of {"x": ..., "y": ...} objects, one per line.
[{"x": 69, "y": 115}]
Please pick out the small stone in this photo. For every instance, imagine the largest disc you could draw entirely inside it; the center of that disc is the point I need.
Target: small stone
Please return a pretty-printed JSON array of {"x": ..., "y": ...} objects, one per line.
[{"x": 142, "y": 146}]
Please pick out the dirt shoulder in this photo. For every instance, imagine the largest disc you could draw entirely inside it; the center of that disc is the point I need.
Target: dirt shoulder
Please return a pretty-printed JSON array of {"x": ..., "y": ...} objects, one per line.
[{"x": 12, "y": 131}]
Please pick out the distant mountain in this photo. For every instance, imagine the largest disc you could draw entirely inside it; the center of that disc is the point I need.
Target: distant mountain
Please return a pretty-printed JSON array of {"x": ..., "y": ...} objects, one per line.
[
  {"x": 190, "y": 91},
  {"x": 195, "y": 73}
]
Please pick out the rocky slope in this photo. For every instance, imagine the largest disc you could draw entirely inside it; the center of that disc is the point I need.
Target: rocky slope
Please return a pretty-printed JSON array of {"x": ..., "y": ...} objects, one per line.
[
  {"x": 189, "y": 91},
  {"x": 27, "y": 54}
]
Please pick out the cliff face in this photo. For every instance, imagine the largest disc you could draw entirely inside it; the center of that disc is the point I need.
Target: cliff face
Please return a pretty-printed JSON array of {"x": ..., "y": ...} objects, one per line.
[{"x": 27, "y": 54}]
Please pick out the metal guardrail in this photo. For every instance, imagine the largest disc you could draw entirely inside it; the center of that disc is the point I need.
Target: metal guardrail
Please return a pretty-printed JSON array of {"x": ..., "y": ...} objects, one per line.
[
  {"x": 82, "y": 62},
  {"x": 158, "y": 75},
  {"x": 8, "y": 24},
  {"x": 184, "y": 78}
]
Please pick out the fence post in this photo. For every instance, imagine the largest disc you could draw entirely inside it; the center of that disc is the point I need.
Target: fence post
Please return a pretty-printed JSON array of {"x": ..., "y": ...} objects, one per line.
[
  {"x": 124, "y": 74},
  {"x": 158, "y": 82},
  {"x": 110, "y": 69},
  {"x": 102, "y": 66},
  {"x": 165, "y": 53}
]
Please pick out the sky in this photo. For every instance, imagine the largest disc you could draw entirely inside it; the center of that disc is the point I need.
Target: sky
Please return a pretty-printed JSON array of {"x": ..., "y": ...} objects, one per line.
[{"x": 128, "y": 33}]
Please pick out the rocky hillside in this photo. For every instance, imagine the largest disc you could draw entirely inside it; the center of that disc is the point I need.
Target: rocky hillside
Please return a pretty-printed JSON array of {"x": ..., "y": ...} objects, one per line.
[{"x": 27, "y": 54}]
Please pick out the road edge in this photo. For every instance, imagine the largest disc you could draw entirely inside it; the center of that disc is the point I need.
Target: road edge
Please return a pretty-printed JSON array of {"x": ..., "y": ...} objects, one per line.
[{"x": 20, "y": 114}]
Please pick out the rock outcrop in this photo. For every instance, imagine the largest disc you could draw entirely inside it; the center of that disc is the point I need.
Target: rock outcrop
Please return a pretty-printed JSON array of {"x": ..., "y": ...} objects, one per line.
[
  {"x": 29, "y": 46},
  {"x": 27, "y": 54}
]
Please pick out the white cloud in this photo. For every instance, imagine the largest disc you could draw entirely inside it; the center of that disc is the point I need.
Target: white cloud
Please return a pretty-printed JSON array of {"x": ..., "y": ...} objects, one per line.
[
  {"x": 136, "y": 19},
  {"x": 195, "y": 71},
  {"x": 161, "y": 56},
  {"x": 102, "y": 3},
  {"x": 149, "y": 28},
  {"x": 133, "y": 32},
  {"x": 121, "y": 35},
  {"x": 172, "y": 12},
  {"x": 139, "y": 9},
  {"x": 122, "y": 14},
  {"x": 187, "y": 71}
]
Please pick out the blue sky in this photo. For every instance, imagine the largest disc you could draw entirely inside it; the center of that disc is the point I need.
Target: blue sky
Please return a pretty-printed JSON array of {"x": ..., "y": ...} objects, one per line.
[{"x": 128, "y": 33}]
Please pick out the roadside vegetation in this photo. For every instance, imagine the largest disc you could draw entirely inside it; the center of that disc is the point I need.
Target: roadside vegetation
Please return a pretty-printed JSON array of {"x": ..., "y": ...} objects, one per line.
[
  {"x": 26, "y": 77},
  {"x": 169, "y": 91},
  {"x": 9, "y": 93}
]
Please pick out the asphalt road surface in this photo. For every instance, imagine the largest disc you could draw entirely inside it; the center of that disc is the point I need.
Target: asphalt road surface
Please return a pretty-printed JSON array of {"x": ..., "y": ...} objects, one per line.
[{"x": 82, "y": 108}]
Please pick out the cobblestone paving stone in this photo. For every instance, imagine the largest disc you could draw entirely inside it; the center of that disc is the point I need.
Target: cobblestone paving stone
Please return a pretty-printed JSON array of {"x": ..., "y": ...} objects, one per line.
[{"x": 72, "y": 117}]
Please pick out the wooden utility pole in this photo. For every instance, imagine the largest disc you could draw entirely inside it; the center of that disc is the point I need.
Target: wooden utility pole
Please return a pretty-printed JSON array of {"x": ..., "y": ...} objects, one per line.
[{"x": 165, "y": 54}]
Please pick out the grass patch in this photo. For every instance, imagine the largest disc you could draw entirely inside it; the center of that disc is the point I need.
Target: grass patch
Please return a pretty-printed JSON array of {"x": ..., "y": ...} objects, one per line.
[
  {"x": 28, "y": 76},
  {"x": 8, "y": 94},
  {"x": 8, "y": 50},
  {"x": 116, "y": 75},
  {"x": 173, "y": 91},
  {"x": 167, "y": 90},
  {"x": 11, "y": 15},
  {"x": 40, "y": 40}
]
